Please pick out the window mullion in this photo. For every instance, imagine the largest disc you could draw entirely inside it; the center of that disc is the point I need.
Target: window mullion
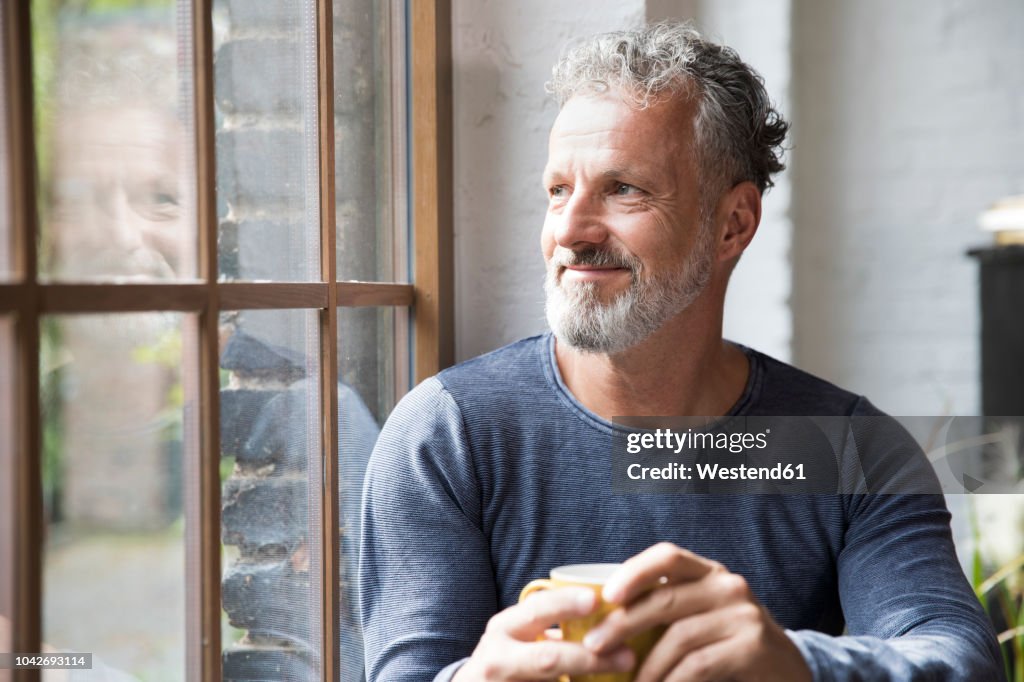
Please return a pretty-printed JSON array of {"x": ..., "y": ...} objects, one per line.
[
  {"x": 203, "y": 551},
  {"x": 431, "y": 114},
  {"x": 330, "y": 665},
  {"x": 28, "y": 529}
]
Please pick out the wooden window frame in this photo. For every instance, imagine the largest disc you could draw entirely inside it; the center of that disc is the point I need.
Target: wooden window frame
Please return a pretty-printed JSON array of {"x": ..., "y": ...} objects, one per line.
[{"x": 429, "y": 298}]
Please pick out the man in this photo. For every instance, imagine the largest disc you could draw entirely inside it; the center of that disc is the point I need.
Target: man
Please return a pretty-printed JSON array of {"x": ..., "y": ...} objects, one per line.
[{"x": 497, "y": 470}]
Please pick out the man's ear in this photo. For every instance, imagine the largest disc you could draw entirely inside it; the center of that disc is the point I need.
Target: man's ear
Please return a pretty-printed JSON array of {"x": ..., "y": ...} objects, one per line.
[{"x": 740, "y": 209}]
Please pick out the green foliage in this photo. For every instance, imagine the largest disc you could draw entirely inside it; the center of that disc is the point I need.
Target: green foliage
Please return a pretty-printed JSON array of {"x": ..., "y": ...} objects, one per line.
[
  {"x": 101, "y": 6},
  {"x": 227, "y": 466},
  {"x": 166, "y": 351},
  {"x": 52, "y": 359},
  {"x": 1002, "y": 595},
  {"x": 45, "y": 45}
]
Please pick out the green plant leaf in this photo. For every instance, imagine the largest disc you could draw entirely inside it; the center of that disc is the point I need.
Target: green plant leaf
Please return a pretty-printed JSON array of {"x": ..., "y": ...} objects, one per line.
[{"x": 1005, "y": 571}]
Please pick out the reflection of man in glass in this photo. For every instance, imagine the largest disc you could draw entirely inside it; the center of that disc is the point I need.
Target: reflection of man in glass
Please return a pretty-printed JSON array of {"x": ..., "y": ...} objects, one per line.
[
  {"x": 116, "y": 182},
  {"x": 496, "y": 471},
  {"x": 117, "y": 196}
]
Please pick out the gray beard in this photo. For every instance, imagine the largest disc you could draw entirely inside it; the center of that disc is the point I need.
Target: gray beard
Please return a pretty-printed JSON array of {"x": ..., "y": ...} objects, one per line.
[{"x": 580, "y": 320}]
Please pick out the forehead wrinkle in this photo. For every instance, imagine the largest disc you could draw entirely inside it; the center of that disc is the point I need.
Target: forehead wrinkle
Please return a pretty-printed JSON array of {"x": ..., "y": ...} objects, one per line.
[
  {"x": 611, "y": 161},
  {"x": 559, "y": 131},
  {"x": 630, "y": 173}
]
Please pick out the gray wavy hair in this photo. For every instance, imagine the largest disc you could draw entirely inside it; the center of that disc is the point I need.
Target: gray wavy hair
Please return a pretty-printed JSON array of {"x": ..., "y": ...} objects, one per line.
[{"x": 738, "y": 132}]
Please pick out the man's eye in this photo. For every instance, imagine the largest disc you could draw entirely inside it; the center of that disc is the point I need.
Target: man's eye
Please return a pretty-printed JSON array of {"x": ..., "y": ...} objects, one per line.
[
  {"x": 164, "y": 199},
  {"x": 557, "y": 191},
  {"x": 154, "y": 203},
  {"x": 624, "y": 189}
]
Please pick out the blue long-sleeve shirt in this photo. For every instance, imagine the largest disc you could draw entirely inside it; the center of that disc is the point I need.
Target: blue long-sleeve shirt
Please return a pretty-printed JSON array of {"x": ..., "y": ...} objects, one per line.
[{"x": 492, "y": 473}]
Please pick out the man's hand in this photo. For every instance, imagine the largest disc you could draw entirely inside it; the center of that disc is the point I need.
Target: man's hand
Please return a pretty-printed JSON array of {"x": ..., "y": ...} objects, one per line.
[
  {"x": 716, "y": 629},
  {"x": 515, "y": 645}
]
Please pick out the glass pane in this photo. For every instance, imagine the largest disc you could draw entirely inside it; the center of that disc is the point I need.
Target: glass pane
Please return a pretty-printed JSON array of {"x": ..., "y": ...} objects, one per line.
[
  {"x": 366, "y": 395},
  {"x": 267, "y": 172},
  {"x": 114, "y": 556},
  {"x": 366, "y": 355},
  {"x": 113, "y": 138},
  {"x": 6, "y": 266},
  {"x": 369, "y": 131},
  {"x": 7, "y": 436},
  {"x": 271, "y": 472}
]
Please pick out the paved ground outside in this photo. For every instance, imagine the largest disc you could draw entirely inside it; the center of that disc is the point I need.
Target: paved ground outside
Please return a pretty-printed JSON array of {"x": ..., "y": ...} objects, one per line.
[{"x": 119, "y": 596}]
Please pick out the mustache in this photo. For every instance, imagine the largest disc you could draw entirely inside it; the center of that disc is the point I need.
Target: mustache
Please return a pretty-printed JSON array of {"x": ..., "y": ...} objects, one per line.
[{"x": 595, "y": 257}]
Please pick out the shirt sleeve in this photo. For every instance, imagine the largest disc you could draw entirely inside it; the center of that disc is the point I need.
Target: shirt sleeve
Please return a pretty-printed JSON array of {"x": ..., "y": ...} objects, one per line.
[
  {"x": 910, "y": 613},
  {"x": 427, "y": 587}
]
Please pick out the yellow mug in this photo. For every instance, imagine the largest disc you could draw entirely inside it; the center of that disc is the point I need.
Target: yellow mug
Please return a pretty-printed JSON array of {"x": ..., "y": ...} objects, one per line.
[{"x": 593, "y": 576}]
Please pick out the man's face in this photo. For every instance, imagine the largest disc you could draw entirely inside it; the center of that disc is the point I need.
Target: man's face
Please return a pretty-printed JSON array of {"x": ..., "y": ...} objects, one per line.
[
  {"x": 624, "y": 239},
  {"x": 118, "y": 195}
]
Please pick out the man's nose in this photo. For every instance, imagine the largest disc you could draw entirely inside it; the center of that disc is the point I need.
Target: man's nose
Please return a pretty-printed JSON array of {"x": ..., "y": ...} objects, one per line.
[
  {"x": 124, "y": 230},
  {"x": 582, "y": 221}
]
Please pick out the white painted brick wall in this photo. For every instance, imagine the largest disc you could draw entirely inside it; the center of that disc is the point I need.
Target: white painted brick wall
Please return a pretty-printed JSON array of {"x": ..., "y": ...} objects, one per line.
[{"x": 910, "y": 121}]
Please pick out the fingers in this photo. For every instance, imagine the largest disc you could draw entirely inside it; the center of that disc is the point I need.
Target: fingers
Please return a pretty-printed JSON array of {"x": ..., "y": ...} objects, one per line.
[
  {"x": 548, "y": 660},
  {"x": 541, "y": 610},
  {"x": 651, "y": 567},
  {"x": 711, "y": 663},
  {"x": 510, "y": 650},
  {"x": 716, "y": 591},
  {"x": 665, "y": 605},
  {"x": 692, "y": 637},
  {"x": 716, "y": 628}
]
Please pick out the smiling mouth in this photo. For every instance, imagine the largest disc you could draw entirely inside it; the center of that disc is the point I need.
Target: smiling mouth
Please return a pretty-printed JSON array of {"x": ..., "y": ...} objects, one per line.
[
  {"x": 590, "y": 273},
  {"x": 593, "y": 268}
]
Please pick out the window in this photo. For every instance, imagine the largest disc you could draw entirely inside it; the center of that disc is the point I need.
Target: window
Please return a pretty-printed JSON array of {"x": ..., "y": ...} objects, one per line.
[{"x": 224, "y": 255}]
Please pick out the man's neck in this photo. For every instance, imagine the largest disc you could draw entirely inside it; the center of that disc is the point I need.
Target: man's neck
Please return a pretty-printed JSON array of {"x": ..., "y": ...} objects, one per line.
[{"x": 685, "y": 368}]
